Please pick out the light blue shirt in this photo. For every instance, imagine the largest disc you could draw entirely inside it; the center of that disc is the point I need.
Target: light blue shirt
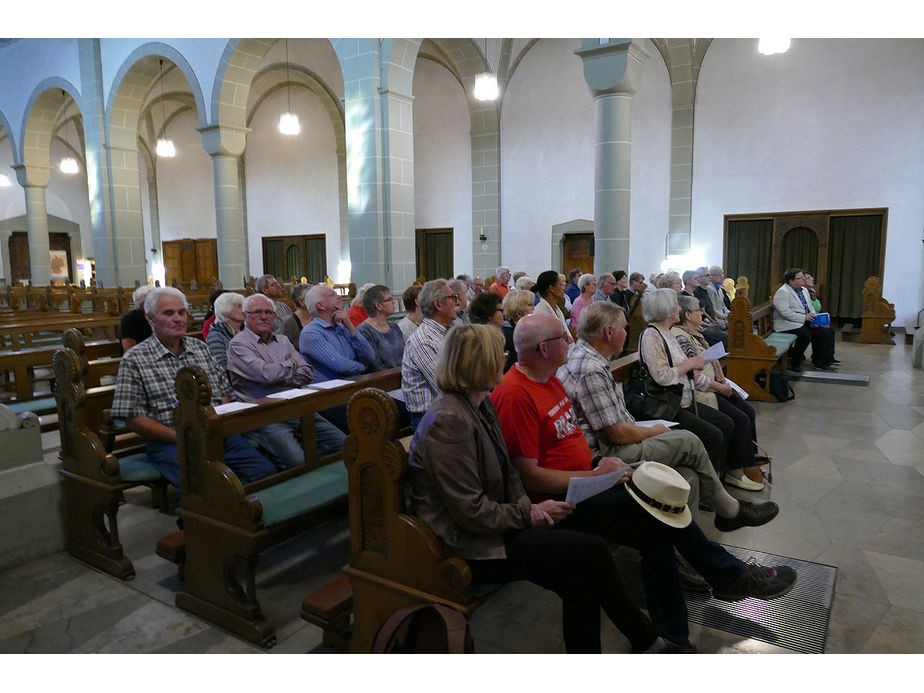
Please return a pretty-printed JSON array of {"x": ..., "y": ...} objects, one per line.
[{"x": 332, "y": 352}]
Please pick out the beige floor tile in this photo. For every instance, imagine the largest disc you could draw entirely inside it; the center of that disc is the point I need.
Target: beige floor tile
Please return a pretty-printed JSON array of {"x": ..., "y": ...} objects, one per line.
[{"x": 900, "y": 578}]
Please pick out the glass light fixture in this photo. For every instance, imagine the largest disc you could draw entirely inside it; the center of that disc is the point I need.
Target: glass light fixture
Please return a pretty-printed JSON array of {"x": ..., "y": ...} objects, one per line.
[
  {"x": 288, "y": 121},
  {"x": 164, "y": 148},
  {"x": 769, "y": 46},
  {"x": 5, "y": 182},
  {"x": 486, "y": 87},
  {"x": 68, "y": 164}
]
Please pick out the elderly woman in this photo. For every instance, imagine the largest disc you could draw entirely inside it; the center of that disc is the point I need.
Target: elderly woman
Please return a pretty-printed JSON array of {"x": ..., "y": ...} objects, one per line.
[
  {"x": 464, "y": 487},
  {"x": 292, "y": 325},
  {"x": 229, "y": 317},
  {"x": 486, "y": 309},
  {"x": 385, "y": 337},
  {"x": 414, "y": 317},
  {"x": 356, "y": 311},
  {"x": 550, "y": 288},
  {"x": 516, "y": 305},
  {"x": 668, "y": 365},
  {"x": 587, "y": 283},
  {"x": 722, "y": 396},
  {"x": 209, "y": 318},
  {"x": 671, "y": 280}
]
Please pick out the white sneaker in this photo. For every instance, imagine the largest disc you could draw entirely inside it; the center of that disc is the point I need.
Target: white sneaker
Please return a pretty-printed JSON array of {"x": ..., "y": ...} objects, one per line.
[{"x": 743, "y": 483}]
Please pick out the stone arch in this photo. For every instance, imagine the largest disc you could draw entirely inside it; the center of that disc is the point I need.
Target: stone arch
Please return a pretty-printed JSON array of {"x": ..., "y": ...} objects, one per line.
[
  {"x": 130, "y": 91},
  {"x": 42, "y": 112},
  {"x": 236, "y": 71},
  {"x": 5, "y": 127}
]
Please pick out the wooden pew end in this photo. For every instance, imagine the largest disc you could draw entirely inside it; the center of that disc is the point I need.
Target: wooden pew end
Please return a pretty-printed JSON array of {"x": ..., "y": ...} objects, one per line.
[
  {"x": 173, "y": 548},
  {"x": 330, "y": 608}
]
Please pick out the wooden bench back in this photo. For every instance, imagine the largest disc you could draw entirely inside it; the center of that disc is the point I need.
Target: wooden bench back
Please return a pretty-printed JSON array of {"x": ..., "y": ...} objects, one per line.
[{"x": 877, "y": 315}]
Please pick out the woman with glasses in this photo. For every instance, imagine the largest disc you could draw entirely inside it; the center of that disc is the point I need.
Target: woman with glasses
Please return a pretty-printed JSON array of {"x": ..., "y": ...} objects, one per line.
[
  {"x": 385, "y": 337},
  {"x": 486, "y": 309}
]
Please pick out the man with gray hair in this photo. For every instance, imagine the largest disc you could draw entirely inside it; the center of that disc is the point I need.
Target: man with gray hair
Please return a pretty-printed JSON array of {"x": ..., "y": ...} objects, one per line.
[
  {"x": 330, "y": 342},
  {"x": 134, "y": 327},
  {"x": 438, "y": 303},
  {"x": 610, "y": 430},
  {"x": 500, "y": 287},
  {"x": 145, "y": 396},
  {"x": 261, "y": 363},
  {"x": 606, "y": 283},
  {"x": 476, "y": 288},
  {"x": 457, "y": 286},
  {"x": 272, "y": 289},
  {"x": 713, "y": 331}
]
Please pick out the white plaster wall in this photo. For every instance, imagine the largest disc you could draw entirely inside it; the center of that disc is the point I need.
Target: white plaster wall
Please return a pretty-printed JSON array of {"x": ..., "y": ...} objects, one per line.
[
  {"x": 443, "y": 159},
  {"x": 292, "y": 182},
  {"x": 547, "y": 156},
  {"x": 185, "y": 192},
  {"x": 35, "y": 60},
  {"x": 832, "y": 124}
]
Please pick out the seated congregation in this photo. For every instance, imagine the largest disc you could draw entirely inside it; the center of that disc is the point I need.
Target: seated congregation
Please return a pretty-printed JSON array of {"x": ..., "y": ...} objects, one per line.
[{"x": 509, "y": 394}]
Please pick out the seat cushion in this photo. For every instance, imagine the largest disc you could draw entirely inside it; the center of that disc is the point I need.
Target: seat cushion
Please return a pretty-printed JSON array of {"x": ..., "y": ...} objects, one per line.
[
  {"x": 781, "y": 341},
  {"x": 303, "y": 493},
  {"x": 42, "y": 405}
]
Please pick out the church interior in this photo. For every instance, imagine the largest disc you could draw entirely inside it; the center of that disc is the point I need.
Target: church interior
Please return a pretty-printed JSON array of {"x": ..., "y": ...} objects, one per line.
[{"x": 646, "y": 154}]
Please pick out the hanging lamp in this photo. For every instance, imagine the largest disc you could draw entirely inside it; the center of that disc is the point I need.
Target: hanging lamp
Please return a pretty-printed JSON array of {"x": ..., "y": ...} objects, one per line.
[
  {"x": 164, "y": 148},
  {"x": 769, "y": 46},
  {"x": 486, "y": 88},
  {"x": 68, "y": 165},
  {"x": 288, "y": 121}
]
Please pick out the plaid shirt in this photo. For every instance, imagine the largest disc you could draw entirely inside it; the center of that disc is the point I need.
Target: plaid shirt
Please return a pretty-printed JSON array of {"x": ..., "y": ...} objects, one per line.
[
  {"x": 418, "y": 366},
  {"x": 145, "y": 384},
  {"x": 598, "y": 399}
]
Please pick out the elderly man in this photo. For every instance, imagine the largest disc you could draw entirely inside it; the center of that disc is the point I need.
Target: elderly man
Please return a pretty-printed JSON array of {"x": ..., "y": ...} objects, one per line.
[
  {"x": 261, "y": 363},
  {"x": 438, "y": 303},
  {"x": 135, "y": 327},
  {"x": 476, "y": 288},
  {"x": 499, "y": 286},
  {"x": 547, "y": 448},
  {"x": 793, "y": 313},
  {"x": 330, "y": 342},
  {"x": 721, "y": 304},
  {"x": 606, "y": 284},
  {"x": 145, "y": 396},
  {"x": 457, "y": 287},
  {"x": 272, "y": 289},
  {"x": 609, "y": 428}
]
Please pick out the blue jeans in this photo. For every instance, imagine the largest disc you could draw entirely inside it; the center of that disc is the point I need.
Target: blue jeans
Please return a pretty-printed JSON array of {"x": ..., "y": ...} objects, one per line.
[
  {"x": 614, "y": 515},
  {"x": 240, "y": 456},
  {"x": 280, "y": 443}
]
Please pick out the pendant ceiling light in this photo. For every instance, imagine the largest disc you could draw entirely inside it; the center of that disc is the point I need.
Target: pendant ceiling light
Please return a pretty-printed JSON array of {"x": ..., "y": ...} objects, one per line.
[
  {"x": 769, "y": 46},
  {"x": 165, "y": 146},
  {"x": 486, "y": 88},
  {"x": 5, "y": 182},
  {"x": 288, "y": 121},
  {"x": 68, "y": 164}
]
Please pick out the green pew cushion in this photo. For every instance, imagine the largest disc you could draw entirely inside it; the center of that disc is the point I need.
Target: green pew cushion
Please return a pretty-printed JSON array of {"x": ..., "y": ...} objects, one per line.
[
  {"x": 137, "y": 468},
  {"x": 42, "y": 405},
  {"x": 781, "y": 341},
  {"x": 303, "y": 493}
]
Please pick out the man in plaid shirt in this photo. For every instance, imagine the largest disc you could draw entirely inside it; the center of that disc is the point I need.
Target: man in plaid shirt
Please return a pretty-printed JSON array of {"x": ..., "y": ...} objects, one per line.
[
  {"x": 146, "y": 398},
  {"x": 609, "y": 428}
]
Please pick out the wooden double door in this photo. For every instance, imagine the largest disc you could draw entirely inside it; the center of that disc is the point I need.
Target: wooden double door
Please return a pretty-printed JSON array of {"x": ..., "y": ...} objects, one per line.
[{"x": 191, "y": 259}]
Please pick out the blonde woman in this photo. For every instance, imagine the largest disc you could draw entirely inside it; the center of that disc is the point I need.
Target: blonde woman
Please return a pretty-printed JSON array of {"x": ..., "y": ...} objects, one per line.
[{"x": 516, "y": 305}]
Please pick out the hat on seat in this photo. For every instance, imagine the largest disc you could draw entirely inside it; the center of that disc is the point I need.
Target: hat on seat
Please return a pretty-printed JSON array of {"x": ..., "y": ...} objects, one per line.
[{"x": 662, "y": 492}]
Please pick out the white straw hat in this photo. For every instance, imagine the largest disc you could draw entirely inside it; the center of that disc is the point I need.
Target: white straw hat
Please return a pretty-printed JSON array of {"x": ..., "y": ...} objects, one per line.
[{"x": 662, "y": 492}]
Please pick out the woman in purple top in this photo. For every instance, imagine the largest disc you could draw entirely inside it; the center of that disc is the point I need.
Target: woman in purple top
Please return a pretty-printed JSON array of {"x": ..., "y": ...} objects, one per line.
[
  {"x": 386, "y": 338},
  {"x": 588, "y": 286}
]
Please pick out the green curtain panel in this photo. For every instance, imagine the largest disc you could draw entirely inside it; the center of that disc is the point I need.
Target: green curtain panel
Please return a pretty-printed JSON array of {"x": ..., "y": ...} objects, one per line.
[
  {"x": 316, "y": 255},
  {"x": 273, "y": 261},
  {"x": 854, "y": 254},
  {"x": 293, "y": 262},
  {"x": 750, "y": 244},
  {"x": 799, "y": 249},
  {"x": 439, "y": 255}
]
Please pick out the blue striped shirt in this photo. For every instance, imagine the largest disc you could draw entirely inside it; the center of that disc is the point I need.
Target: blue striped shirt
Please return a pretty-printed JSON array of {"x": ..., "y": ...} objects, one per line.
[
  {"x": 418, "y": 367},
  {"x": 332, "y": 352}
]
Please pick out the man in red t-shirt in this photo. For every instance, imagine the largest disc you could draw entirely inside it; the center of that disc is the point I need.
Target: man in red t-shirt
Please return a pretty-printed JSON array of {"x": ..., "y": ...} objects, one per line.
[{"x": 548, "y": 448}]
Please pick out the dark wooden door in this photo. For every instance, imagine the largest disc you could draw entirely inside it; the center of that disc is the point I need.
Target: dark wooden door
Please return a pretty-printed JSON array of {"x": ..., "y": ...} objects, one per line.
[
  {"x": 434, "y": 254},
  {"x": 578, "y": 251}
]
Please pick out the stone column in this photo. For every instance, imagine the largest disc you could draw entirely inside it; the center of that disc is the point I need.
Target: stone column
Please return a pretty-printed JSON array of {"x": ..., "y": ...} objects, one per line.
[
  {"x": 613, "y": 70},
  {"x": 485, "y": 187},
  {"x": 225, "y": 145},
  {"x": 34, "y": 179}
]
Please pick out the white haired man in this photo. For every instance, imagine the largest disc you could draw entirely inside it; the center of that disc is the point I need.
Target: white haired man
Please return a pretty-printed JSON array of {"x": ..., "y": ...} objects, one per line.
[
  {"x": 270, "y": 287},
  {"x": 500, "y": 286}
]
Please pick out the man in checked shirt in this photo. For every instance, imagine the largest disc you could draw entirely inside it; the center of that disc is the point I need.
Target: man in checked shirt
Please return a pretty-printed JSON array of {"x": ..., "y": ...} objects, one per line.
[{"x": 145, "y": 396}]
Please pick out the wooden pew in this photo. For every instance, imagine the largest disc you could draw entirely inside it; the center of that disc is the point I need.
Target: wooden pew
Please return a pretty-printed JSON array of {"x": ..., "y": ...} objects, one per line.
[
  {"x": 878, "y": 314},
  {"x": 94, "y": 478},
  {"x": 754, "y": 348},
  {"x": 44, "y": 329},
  {"x": 636, "y": 323},
  {"x": 226, "y": 525},
  {"x": 395, "y": 559}
]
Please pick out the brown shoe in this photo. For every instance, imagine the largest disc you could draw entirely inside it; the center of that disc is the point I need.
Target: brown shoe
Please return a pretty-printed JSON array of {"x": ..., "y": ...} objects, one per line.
[{"x": 754, "y": 474}]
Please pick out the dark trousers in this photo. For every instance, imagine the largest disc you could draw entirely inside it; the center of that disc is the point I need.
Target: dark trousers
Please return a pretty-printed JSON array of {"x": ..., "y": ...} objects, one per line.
[
  {"x": 617, "y": 517},
  {"x": 741, "y": 449},
  {"x": 797, "y": 350},
  {"x": 822, "y": 345},
  {"x": 580, "y": 569},
  {"x": 712, "y": 427}
]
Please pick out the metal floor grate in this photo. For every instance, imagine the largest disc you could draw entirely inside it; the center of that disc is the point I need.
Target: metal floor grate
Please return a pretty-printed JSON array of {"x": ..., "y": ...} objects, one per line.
[{"x": 797, "y": 621}]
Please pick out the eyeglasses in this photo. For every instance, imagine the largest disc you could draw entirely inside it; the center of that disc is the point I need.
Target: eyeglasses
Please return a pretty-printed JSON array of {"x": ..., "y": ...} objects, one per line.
[
  {"x": 260, "y": 312},
  {"x": 551, "y": 339},
  {"x": 452, "y": 297},
  {"x": 499, "y": 310}
]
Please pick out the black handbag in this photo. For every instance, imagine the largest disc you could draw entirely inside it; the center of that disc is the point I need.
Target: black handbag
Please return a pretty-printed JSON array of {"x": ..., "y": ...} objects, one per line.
[{"x": 648, "y": 399}]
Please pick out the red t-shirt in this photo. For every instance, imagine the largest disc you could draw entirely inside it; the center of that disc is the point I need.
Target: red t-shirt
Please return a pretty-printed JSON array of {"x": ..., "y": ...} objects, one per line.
[
  {"x": 357, "y": 315},
  {"x": 538, "y": 422},
  {"x": 499, "y": 289}
]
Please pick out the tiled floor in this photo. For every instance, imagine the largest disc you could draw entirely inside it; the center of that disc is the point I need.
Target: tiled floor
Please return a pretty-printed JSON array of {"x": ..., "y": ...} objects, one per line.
[{"x": 847, "y": 467}]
